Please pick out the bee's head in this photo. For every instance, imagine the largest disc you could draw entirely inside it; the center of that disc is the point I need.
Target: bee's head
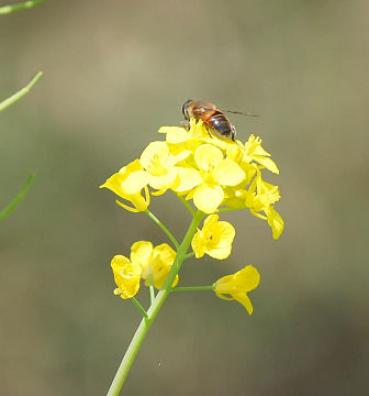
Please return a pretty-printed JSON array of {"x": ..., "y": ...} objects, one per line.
[{"x": 185, "y": 108}]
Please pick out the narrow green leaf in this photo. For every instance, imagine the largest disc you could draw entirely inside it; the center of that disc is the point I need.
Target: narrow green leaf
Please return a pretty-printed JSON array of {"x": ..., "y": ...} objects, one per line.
[{"x": 4, "y": 213}]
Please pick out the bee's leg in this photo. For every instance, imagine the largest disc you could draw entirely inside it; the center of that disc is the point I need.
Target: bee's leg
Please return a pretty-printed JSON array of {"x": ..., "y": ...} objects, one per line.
[
  {"x": 185, "y": 124},
  {"x": 230, "y": 134}
]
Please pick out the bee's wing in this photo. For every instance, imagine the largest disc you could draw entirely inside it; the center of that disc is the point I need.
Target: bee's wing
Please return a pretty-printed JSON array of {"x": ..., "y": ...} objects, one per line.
[{"x": 244, "y": 113}]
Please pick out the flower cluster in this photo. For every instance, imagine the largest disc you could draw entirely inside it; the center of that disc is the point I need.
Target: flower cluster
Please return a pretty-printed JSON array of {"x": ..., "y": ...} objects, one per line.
[
  {"x": 214, "y": 173},
  {"x": 146, "y": 262}
]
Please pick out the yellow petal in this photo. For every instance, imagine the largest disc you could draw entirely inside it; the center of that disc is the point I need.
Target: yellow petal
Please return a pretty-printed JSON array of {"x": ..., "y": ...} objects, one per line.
[
  {"x": 126, "y": 207},
  {"x": 247, "y": 279},
  {"x": 175, "y": 135},
  {"x": 141, "y": 253},
  {"x": 226, "y": 233},
  {"x": 130, "y": 180},
  {"x": 188, "y": 178},
  {"x": 161, "y": 263},
  {"x": 207, "y": 198},
  {"x": 210, "y": 221},
  {"x": 244, "y": 299},
  {"x": 275, "y": 222},
  {"x": 166, "y": 253},
  {"x": 208, "y": 156},
  {"x": 131, "y": 167},
  {"x": 228, "y": 173},
  {"x": 134, "y": 182},
  {"x": 126, "y": 276},
  {"x": 164, "y": 181},
  {"x": 268, "y": 163},
  {"x": 253, "y": 146},
  {"x": 198, "y": 244},
  {"x": 237, "y": 285},
  {"x": 214, "y": 239},
  {"x": 220, "y": 253},
  {"x": 154, "y": 157}
]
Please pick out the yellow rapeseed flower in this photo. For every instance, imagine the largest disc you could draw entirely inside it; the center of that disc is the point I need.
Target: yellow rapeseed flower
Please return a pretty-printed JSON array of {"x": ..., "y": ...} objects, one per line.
[
  {"x": 254, "y": 152},
  {"x": 155, "y": 262},
  {"x": 215, "y": 238},
  {"x": 128, "y": 184},
  {"x": 126, "y": 276},
  {"x": 146, "y": 262},
  {"x": 162, "y": 172},
  {"x": 202, "y": 167},
  {"x": 216, "y": 172},
  {"x": 236, "y": 286}
]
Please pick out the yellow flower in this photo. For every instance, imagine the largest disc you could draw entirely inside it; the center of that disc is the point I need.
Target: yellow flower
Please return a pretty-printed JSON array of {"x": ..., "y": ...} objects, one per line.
[
  {"x": 254, "y": 152},
  {"x": 216, "y": 172},
  {"x": 155, "y": 262},
  {"x": 126, "y": 276},
  {"x": 214, "y": 239},
  {"x": 159, "y": 164},
  {"x": 128, "y": 184},
  {"x": 179, "y": 135},
  {"x": 260, "y": 195},
  {"x": 236, "y": 286}
]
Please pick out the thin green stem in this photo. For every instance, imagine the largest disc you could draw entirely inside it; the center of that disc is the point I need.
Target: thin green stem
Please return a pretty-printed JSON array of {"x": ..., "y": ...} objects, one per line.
[
  {"x": 8, "y": 9},
  {"x": 189, "y": 255},
  {"x": 4, "y": 213},
  {"x": 193, "y": 288},
  {"x": 18, "y": 95},
  {"x": 182, "y": 249},
  {"x": 165, "y": 229},
  {"x": 139, "y": 307},
  {"x": 187, "y": 205},
  {"x": 153, "y": 311},
  {"x": 152, "y": 294}
]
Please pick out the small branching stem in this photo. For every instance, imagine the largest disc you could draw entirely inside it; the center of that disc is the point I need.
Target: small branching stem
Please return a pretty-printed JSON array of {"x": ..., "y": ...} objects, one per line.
[
  {"x": 22, "y": 92},
  {"x": 25, "y": 5}
]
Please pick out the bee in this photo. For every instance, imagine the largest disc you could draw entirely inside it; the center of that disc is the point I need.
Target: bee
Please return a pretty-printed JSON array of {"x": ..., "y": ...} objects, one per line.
[{"x": 212, "y": 117}]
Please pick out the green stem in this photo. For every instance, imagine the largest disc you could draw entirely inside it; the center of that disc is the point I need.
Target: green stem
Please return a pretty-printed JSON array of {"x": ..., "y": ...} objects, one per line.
[
  {"x": 152, "y": 313},
  {"x": 182, "y": 249},
  {"x": 166, "y": 230},
  {"x": 189, "y": 255},
  {"x": 18, "y": 198},
  {"x": 152, "y": 294},
  {"x": 139, "y": 307},
  {"x": 8, "y": 9},
  {"x": 193, "y": 288},
  {"x": 18, "y": 95},
  {"x": 187, "y": 205}
]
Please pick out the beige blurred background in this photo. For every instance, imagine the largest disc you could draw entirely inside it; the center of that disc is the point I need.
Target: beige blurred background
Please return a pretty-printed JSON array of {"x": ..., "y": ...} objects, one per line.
[{"x": 115, "y": 71}]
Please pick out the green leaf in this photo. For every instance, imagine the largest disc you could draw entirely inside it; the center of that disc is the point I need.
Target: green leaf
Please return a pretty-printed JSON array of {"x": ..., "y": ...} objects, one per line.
[{"x": 4, "y": 213}]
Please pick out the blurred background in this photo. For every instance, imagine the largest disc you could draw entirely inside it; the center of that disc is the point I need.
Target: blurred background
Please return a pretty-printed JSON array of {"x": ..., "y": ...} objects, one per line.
[{"x": 116, "y": 71}]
